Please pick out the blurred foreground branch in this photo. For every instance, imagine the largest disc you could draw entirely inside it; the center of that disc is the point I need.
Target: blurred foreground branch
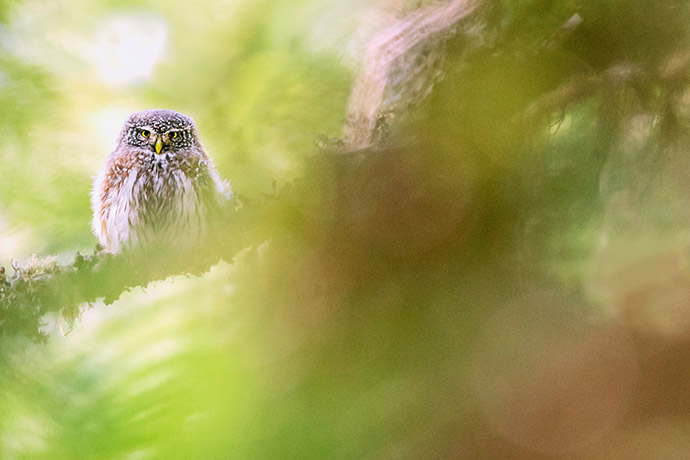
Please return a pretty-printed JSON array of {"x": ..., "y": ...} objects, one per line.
[{"x": 400, "y": 66}]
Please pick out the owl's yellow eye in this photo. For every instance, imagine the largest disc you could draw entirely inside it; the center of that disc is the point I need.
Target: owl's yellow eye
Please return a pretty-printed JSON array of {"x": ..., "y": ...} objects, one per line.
[
  {"x": 145, "y": 132},
  {"x": 173, "y": 135}
]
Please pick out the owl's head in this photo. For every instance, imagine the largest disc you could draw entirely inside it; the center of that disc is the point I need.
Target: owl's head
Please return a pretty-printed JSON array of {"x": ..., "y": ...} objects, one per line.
[{"x": 160, "y": 131}]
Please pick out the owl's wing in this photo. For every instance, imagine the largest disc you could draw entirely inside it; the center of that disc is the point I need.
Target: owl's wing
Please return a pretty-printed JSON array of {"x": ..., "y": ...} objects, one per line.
[
  {"x": 113, "y": 208},
  {"x": 98, "y": 206},
  {"x": 216, "y": 192}
]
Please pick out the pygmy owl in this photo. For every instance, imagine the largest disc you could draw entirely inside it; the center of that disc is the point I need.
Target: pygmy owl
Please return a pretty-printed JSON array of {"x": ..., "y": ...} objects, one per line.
[{"x": 158, "y": 185}]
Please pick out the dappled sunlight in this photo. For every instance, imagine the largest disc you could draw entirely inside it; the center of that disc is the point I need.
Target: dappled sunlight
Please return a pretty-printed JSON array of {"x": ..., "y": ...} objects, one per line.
[{"x": 127, "y": 49}]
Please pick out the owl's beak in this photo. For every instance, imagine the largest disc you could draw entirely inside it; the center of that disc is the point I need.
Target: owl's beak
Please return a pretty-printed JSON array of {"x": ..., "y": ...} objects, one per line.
[{"x": 159, "y": 145}]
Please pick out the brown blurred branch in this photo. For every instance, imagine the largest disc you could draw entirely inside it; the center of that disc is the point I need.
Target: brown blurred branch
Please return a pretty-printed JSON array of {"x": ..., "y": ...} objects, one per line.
[
  {"x": 400, "y": 62},
  {"x": 672, "y": 74},
  {"x": 580, "y": 88}
]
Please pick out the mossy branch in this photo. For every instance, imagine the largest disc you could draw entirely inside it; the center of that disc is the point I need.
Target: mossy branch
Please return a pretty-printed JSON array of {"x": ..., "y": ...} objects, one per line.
[{"x": 42, "y": 285}]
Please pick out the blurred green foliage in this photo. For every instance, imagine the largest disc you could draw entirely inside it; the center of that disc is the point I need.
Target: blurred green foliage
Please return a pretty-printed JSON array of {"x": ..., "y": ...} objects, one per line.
[{"x": 505, "y": 278}]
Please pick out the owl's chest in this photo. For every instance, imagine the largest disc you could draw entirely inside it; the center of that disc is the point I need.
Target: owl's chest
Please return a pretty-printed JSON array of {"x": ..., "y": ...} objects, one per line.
[{"x": 155, "y": 191}]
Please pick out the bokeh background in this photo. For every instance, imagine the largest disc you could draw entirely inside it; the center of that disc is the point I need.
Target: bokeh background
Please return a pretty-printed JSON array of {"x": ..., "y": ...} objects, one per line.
[{"x": 505, "y": 276}]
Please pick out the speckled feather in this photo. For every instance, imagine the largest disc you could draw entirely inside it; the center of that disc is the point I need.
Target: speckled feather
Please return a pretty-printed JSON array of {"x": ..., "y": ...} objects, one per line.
[{"x": 142, "y": 197}]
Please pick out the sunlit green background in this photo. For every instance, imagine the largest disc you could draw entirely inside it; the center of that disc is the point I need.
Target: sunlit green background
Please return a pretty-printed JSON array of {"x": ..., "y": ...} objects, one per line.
[{"x": 506, "y": 278}]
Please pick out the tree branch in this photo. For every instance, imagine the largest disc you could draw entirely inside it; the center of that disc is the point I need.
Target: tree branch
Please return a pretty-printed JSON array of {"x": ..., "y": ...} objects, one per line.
[{"x": 43, "y": 286}]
